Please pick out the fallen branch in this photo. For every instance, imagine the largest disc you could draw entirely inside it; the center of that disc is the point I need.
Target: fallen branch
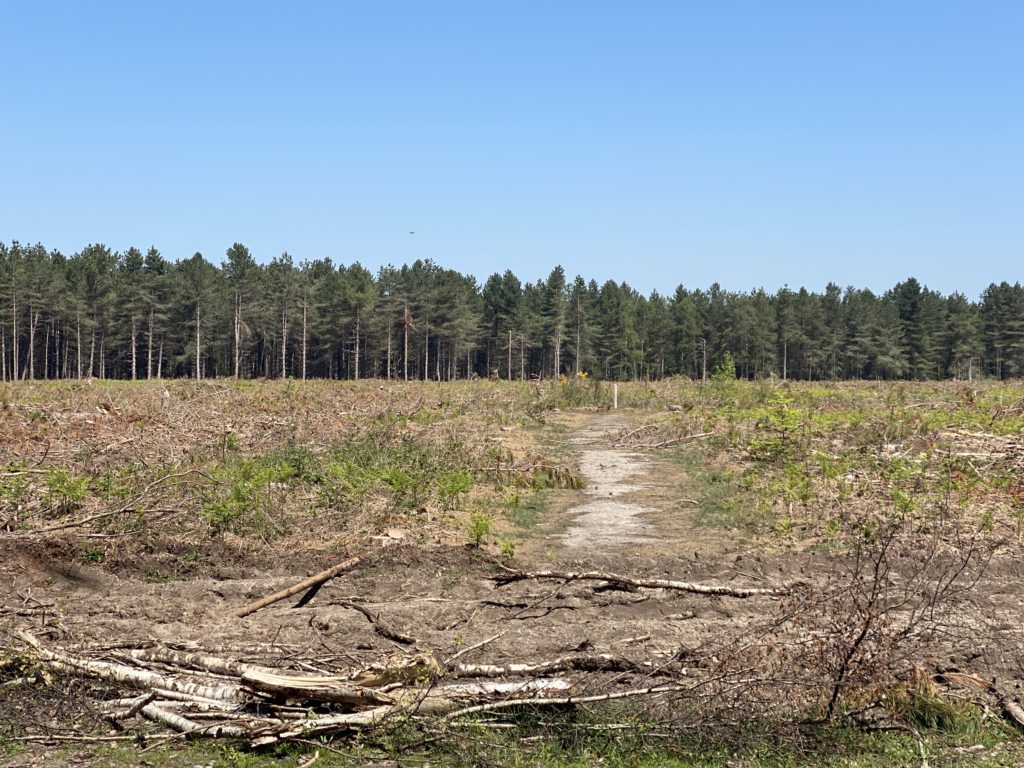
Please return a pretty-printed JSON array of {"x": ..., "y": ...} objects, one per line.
[
  {"x": 379, "y": 626},
  {"x": 137, "y": 678},
  {"x": 674, "y": 440},
  {"x": 630, "y": 581},
  {"x": 471, "y": 648},
  {"x": 199, "y": 661},
  {"x": 601, "y": 663},
  {"x": 564, "y": 701},
  {"x": 1012, "y": 710},
  {"x": 333, "y": 689},
  {"x": 313, "y": 581},
  {"x": 190, "y": 727}
]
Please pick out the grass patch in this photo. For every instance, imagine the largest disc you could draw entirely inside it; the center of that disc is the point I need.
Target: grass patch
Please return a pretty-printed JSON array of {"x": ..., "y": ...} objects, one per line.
[
  {"x": 723, "y": 495},
  {"x": 578, "y": 746},
  {"x": 524, "y": 509}
]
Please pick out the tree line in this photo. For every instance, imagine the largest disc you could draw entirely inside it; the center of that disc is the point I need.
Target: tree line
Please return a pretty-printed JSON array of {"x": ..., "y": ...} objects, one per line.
[{"x": 138, "y": 315}]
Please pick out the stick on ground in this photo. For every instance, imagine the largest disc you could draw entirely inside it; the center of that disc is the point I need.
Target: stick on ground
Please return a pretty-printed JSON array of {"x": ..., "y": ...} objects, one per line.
[
  {"x": 315, "y": 580},
  {"x": 631, "y": 581}
]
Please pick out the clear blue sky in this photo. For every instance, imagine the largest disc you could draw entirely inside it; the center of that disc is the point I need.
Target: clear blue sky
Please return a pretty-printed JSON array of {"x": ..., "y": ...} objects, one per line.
[{"x": 749, "y": 143}]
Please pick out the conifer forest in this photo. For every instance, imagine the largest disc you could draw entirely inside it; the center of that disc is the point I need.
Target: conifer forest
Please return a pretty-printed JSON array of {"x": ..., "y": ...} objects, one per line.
[{"x": 138, "y": 315}]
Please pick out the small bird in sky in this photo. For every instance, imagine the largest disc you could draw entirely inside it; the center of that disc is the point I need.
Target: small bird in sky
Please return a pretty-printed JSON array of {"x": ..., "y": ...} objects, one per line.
[{"x": 412, "y": 233}]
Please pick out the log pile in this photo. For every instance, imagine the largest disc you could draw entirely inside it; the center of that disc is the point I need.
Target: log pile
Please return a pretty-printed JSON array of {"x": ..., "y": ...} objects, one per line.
[
  {"x": 204, "y": 694},
  {"x": 201, "y": 695}
]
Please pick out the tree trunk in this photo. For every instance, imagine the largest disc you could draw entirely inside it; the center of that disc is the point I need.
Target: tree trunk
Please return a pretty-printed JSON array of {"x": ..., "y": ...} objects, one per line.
[
  {"x": 522, "y": 357},
  {"x": 558, "y": 351},
  {"x": 578, "y": 331},
  {"x": 284, "y": 341},
  {"x": 405, "y": 351},
  {"x": 46, "y": 351},
  {"x": 510, "y": 354},
  {"x": 304, "y": 339},
  {"x": 389, "y": 349},
  {"x": 199, "y": 343},
  {"x": 160, "y": 361},
  {"x": 238, "y": 335},
  {"x": 149, "y": 346},
  {"x": 3, "y": 354},
  {"x": 78, "y": 342},
  {"x": 135, "y": 358},
  {"x": 357, "y": 347},
  {"x": 426, "y": 353},
  {"x": 14, "y": 335},
  {"x": 33, "y": 319}
]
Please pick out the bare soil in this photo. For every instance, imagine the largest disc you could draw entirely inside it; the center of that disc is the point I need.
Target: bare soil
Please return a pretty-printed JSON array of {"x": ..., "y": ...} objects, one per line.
[
  {"x": 635, "y": 516},
  {"x": 627, "y": 520}
]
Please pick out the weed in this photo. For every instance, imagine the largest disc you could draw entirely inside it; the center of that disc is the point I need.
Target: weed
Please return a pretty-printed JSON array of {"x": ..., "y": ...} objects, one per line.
[
  {"x": 156, "y": 576},
  {"x": 451, "y": 485},
  {"x": 524, "y": 513},
  {"x": 479, "y": 528},
  {"x": 93, "y": 555}
]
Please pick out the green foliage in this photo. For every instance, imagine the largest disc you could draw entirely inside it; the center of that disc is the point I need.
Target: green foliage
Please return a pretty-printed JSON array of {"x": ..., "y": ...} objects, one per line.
[
  {"x": 480, "y": 525},
  {"x": 451, "y": 486},
  {"x": 65, "y": 491},
  {"x": 544, "y": 329},
  {"x": 725, "y": 371},
  {"x": 13, "y": 487},
  {"x": 93, "y": 555},
  {"x": 777, "y": 428}
]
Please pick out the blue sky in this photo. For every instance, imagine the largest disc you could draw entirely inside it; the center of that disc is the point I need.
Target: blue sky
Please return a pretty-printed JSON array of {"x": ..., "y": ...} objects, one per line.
[{"x": 748, "y": 143}]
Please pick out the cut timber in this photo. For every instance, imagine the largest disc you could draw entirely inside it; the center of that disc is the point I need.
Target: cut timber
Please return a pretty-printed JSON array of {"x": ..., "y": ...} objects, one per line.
[
  {"x": 200, "y": 661},
  {"x": 408, "y": 669},
  {"x": 564, "y": 701},
  {"x": 601, "y": 663},
  {"x": 137, "y": 678},
  {"x": 184, "y": 725},
  {"x": 313, "y": 581},
  {"x": 333, "y": 689},
  {"x": 630, "y": 581}
]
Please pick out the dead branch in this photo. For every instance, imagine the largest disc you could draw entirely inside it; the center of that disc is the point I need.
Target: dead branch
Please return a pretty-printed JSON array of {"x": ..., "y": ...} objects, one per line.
[
  {"x": 200, "y": 661},
  {"x": 470, "y": 648},
  {"x": 600, "y": 663},
  {"x": 379, "y": 626},
  {"x": 630, "y": 581},
  {"x": 674, "y": 440},
  {"x": 333, "y": 689},
  {"x": 313, "y": 581},
  {"x": 137, "y": 678},
  {"x": 1012, "y": 710},
  {"x": 190, "y": 727},
  {"x": 564, "y": 701}
]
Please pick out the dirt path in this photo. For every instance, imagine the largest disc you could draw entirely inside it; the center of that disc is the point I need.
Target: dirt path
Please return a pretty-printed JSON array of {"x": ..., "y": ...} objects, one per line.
[
  {"x": 608, "y": 516},
  {"x": 635, "y": 503}
]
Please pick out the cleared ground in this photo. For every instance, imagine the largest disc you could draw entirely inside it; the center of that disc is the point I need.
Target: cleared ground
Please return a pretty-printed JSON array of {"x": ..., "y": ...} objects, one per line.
[{"x": 146, "y": 515}]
